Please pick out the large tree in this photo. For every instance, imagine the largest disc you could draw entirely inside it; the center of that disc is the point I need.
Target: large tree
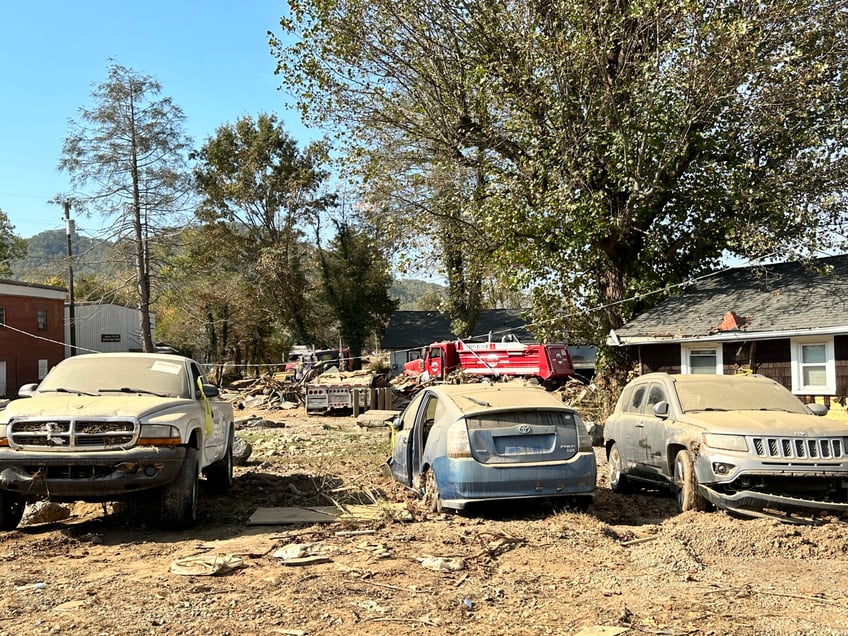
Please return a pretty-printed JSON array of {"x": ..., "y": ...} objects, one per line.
[
  {"x": 127, "y": 155},
  {"x": 616, "y": 146},
  {"x": 262, "y": 191},
  {"x": 356, "y": 281}
]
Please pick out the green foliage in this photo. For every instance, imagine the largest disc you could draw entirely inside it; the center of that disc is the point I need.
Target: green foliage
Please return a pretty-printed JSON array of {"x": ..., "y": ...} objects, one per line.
[
  {"x": 356, "y": 282},
  {"x": 259, "y": 195},
  {"x": 605, "y": 149},
  {"x": 11, "y": 246}
]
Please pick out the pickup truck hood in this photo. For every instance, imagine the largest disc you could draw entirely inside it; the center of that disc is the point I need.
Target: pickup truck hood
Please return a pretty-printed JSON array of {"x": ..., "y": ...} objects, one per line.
[
  {"x": 765, "y": 423},
  {"x": 62, "y": 405}
]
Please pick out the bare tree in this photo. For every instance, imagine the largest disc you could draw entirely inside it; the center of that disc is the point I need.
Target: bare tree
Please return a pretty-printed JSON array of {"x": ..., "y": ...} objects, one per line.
[{"x": 127, "y": 154}]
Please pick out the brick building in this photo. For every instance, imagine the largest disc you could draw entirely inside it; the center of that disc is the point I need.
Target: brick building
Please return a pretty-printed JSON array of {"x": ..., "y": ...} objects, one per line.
[{"x": 32, "y": 333}]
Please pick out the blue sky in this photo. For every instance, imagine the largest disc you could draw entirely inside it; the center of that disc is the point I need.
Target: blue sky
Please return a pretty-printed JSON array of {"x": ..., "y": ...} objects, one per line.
[{"x": 211, "y": 58}]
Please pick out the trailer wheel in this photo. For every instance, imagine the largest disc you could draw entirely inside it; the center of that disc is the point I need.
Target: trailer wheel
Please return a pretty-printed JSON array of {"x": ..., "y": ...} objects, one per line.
[{"x": 179, "y": 498}]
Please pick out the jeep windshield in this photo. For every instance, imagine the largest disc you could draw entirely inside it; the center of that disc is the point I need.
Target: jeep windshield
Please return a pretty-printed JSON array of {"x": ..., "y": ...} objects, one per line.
[
  {"x": 711, "y": 395},
  {"x": 90, "y": 375}
]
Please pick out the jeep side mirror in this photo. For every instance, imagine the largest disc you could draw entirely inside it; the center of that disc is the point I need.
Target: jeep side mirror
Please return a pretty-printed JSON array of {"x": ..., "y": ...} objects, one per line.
[
  {"x": 661, "y": 409},
  {"x": 817, "y": 409}
]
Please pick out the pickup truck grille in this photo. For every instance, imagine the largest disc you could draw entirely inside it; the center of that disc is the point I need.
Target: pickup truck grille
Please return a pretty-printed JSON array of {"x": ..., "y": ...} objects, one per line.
[
  {"x": 64, "y": 434},
  {"x": 799, "y": 447}
]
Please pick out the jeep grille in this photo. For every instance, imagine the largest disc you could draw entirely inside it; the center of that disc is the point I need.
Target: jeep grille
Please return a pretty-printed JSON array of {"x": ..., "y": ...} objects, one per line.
[
  {"x": 71, "y": 434},
  {"x": 799, "y": 447}
]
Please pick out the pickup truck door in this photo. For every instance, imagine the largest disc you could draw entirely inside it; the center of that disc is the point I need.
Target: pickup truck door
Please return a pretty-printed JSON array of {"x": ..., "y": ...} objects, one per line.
[{"x": 215, "y": 428}]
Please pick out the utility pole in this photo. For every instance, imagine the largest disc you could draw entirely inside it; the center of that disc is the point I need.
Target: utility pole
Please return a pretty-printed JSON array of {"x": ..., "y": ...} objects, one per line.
[{"x": 69, "y": 231}]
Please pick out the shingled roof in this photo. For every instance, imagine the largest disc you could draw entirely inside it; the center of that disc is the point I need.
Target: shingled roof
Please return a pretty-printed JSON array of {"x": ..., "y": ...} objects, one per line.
[{"x": 769, "y": 301}]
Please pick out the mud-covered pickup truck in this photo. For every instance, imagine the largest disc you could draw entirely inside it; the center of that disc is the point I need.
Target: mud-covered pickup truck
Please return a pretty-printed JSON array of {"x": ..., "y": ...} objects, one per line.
[{"x": 116, "y": 426}]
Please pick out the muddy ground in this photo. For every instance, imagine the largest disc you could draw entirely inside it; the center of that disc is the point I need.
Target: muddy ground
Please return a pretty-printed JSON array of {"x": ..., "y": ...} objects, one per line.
[{"x": 630, "y": 565}]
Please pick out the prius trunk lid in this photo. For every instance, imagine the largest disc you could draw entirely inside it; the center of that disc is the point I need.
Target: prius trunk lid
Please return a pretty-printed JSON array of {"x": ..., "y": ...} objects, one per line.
[{"x": 516, "y": 437}]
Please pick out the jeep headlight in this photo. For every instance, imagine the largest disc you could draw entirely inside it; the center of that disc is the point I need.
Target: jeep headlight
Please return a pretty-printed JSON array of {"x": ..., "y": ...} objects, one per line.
[{"x": 726, "y": 442}]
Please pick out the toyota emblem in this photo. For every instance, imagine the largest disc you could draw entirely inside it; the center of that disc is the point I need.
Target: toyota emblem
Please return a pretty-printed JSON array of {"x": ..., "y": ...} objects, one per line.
[{"x": 524, "y": 428}]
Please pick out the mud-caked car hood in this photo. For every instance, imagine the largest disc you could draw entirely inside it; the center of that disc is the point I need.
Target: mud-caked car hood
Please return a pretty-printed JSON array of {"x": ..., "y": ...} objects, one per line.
[
  {"x": 55, "y": 405},
  {"x": 763, "y": 423}
]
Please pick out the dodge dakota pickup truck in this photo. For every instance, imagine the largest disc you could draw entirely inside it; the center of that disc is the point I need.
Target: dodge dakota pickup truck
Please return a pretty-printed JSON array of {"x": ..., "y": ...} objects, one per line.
[{"x": 116, "y": 426}]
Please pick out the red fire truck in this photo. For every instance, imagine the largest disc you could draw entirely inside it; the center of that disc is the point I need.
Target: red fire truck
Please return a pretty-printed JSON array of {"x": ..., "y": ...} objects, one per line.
[{"x": 550, "y": 363}]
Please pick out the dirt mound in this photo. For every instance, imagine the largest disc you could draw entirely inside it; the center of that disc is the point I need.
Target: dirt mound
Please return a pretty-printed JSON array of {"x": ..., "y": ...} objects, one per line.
[{"x": 631, "y": 563}]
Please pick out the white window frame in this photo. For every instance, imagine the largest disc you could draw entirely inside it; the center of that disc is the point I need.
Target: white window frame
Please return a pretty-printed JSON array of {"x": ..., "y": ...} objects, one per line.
[
  {"x": 798, "y": 386},
  {"x": 686, "y": 350}
]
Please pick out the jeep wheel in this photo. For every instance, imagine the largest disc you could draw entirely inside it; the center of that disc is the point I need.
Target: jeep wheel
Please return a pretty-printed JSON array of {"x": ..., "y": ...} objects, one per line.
[
  {"x": 11, "y": 510},
  {"x": 179, "y": 498},
  {"x": 688, "y": 494},
  {"x": 615, "y": 471},
  {"x": 220, "y": 474}
]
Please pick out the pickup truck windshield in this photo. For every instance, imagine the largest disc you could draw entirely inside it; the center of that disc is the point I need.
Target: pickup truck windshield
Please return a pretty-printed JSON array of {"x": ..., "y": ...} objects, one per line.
[{"x": 93, "y": 374}]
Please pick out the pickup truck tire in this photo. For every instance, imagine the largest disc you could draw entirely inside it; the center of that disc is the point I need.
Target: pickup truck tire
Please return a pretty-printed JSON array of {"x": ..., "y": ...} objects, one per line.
[
  {"x": 220, "y": 474},
  {"x": 11, "y": 510},
  {"x": 179, "y": 498},
  {"x": 688, "y": 495}
]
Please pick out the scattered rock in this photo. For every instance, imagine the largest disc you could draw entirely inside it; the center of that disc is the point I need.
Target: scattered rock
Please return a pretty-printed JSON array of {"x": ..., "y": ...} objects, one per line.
[
  {"x": 45, "y": 512},
  {"x": 242, "y": 450}
]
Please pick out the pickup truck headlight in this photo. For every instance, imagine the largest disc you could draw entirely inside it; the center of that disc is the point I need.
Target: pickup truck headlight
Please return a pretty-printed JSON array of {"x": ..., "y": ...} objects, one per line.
[
  {"x": 4, "y": 441},
  {"x": 159, "y": 435},
  {"x": 726, "y": 442}
]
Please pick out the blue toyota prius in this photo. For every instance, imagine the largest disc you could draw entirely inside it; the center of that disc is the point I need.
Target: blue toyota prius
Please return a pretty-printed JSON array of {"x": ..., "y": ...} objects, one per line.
[{"x": 457, "y": 444}]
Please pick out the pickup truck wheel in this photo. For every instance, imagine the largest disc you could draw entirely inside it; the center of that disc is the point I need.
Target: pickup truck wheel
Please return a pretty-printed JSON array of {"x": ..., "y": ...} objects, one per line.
[
  {"x": 179, "y": 498},
  {"x": 220, "y": 474},
  {"x": 432, "y": 499},
  {"x": 615, "y": 471},
  {"x": 11, "y": 510},
  {"x": 688, "y": 495}
]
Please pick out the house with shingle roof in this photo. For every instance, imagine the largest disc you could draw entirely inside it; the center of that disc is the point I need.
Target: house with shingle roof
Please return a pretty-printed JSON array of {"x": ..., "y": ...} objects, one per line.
[
  {"x": 787, "y": 321},
  {"x": 408, "y": 332}
]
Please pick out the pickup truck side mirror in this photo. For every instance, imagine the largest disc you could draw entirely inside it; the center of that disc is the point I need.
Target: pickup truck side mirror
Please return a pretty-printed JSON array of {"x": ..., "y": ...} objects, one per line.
[
  {"x": 211, "y": 391},
  {"x": 396, "y": 424},
  {"x": 27, "y": 390},
  {"x": 661, "y": 409}
]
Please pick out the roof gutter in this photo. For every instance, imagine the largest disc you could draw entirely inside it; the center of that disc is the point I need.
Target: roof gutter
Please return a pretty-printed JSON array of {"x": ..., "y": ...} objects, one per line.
[{"x": 617, "y": 340}]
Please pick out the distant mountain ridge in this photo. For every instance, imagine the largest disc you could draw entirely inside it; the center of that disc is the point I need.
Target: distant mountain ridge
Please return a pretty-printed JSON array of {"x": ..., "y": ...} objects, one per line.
[
  {"x": 47, "y": 259},
  {"x": 47, "y": 256}
]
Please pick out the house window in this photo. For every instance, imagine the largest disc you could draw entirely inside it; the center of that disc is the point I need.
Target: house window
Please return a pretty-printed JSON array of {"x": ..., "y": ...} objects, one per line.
[
  {"x": 42, "y": 319},
  {"x": 2, "y": 317},
  {"x": 701, "y": 359},
  {"x": 813, "y": 367}
]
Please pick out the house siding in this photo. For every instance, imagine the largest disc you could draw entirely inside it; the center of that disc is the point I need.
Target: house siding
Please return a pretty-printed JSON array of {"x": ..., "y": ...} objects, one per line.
[
  {"x": 660, "y": 357},
  {"x": 840, "y": 351},
  {"x": 771, "y": 358}
]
